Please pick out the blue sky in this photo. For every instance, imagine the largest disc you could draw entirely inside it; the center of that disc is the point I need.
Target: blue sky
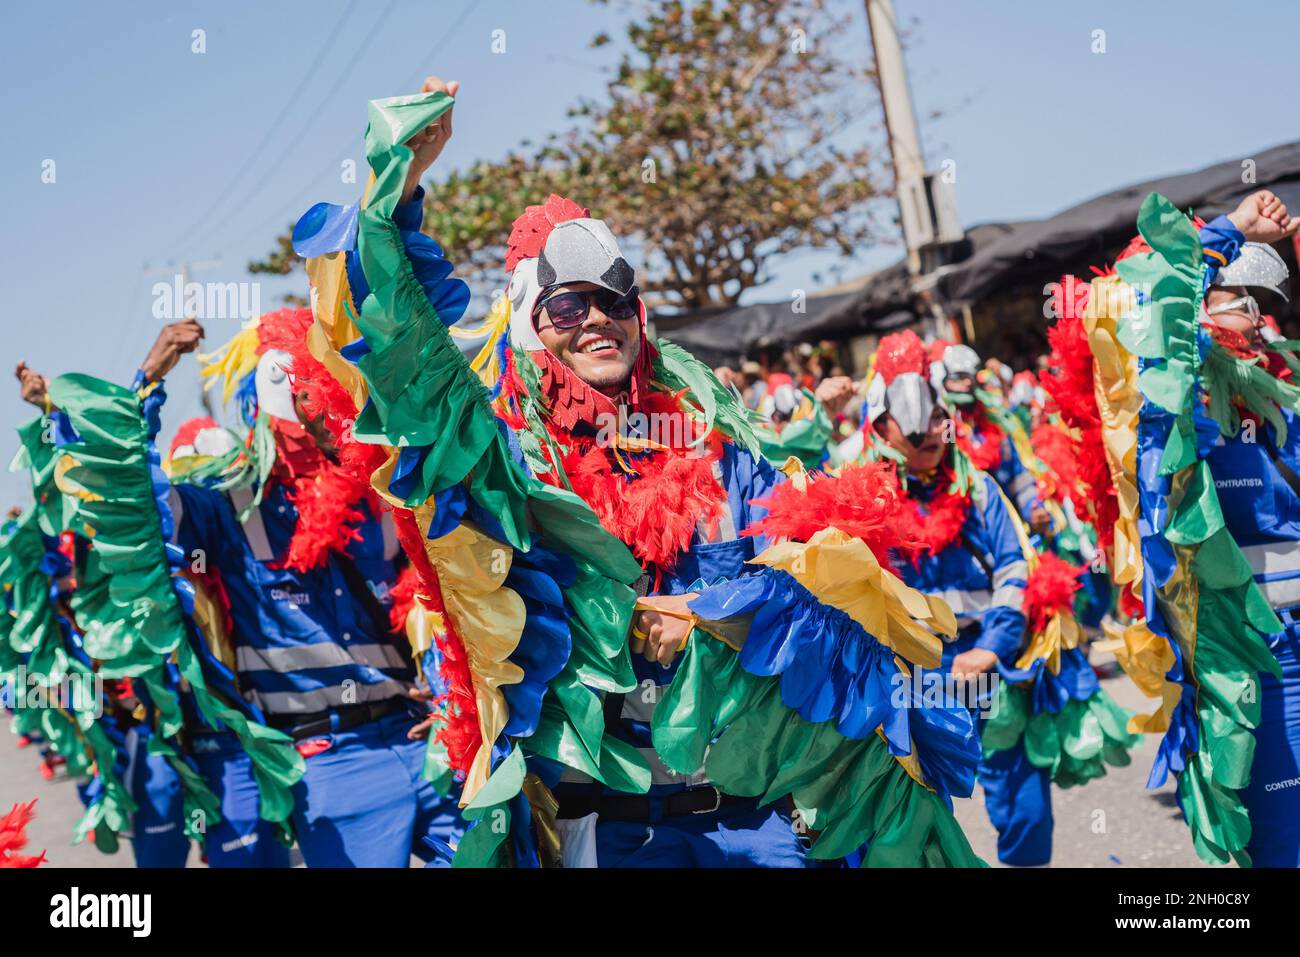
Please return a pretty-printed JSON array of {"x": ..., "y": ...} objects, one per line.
[{"x": 164, "y": 155}]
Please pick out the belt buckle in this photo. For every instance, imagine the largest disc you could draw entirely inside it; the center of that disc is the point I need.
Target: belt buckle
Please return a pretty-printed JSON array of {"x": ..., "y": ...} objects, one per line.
[{"x": 717, "y": 802}]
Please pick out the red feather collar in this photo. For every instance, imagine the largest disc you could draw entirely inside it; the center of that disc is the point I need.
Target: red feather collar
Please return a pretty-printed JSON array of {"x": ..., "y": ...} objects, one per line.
[
  {"x": 651, "y": 496},
  {"x": 934, "y": 525},
  {"x": 981, "y": 439}
]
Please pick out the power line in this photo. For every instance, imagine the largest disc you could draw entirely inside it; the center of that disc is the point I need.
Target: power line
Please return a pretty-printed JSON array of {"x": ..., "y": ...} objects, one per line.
[
  {"x": 271, "y": 130},
  {"x": 294, "y": 203},
  {"x": 237, "y": 209}
]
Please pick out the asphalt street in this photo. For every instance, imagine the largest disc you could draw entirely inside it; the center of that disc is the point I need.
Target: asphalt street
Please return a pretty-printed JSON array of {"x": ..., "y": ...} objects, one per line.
[{"x": 1110, "y": 822}]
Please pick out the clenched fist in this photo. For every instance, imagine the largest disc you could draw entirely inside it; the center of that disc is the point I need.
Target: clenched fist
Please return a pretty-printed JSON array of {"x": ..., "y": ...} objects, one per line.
[
  {"x": 1262, "y": 218},
  {"x": 173, "y": 342}
]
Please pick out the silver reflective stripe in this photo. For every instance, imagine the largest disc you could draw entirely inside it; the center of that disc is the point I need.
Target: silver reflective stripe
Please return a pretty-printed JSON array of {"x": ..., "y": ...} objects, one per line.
[
  {"x": 726, "y": 527},
  {"x": 391, "y": 544},
  {"x": 132, "y": 746},
  {"x": 1020, "y": 481},
  {"x": 636, "y": 708},
  {"x": 1281, "y": 594},
  {"x": 1010, "y": 596},
  {"x": 965, "y": 604},
  {"x": 1023, "y": 489},
  {"x": 307, "y": 702},
  {"x": 1276, "y": 559},
  {"x": 321, "y": 654},
  {"x": 177, "y": 505},
  {"x": 1004, "y": 574},
  {"x": 660, "y": 773},
  {"x": 254, "y": 530}
]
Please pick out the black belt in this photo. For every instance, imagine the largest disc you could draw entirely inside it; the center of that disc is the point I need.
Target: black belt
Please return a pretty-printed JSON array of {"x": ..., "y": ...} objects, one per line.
[
  {"x": 638, "y": 807},
  {"x": 343, "y": 718}
]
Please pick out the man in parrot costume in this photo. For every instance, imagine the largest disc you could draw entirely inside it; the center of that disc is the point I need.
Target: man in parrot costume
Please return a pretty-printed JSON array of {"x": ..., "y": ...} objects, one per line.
[
  {"x": 636, "y": 673},
  {"x": 1043, "y": 718},
  {"x": 1195, "y": 493}
]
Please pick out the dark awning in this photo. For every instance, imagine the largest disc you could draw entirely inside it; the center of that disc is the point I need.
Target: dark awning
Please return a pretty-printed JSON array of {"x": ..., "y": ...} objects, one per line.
[
  {"x": 1089, "y": 232},
  {"x": 731, "y": 334},
  {"x": 999, "y": 256}
]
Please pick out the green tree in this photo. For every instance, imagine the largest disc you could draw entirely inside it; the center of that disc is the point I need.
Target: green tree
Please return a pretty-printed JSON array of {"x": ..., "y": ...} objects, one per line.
[{"x": 711, "y": 151}]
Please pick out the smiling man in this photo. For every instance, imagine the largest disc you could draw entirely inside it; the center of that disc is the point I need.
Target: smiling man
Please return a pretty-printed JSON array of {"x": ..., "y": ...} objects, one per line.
[{"x": 595, "y": 699}]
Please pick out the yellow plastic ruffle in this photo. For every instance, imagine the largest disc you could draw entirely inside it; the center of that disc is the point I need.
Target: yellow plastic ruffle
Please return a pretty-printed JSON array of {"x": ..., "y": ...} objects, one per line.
[
  {"x": 489, "y": 617},
  {"x": 1119, "y": 402},
  {"x": 487, "y": 362},
  {"x": 234, "y": 360},
  {"x": 1145, "y": 658},
  {"x": 471, "y": 567},
  {"x": 844, "y": 573},
  {"x": 334, "y": 326}
]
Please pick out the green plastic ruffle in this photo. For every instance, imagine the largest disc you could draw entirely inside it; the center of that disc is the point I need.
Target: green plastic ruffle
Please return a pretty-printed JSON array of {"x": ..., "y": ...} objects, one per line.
[
  {"x": 34, "y": 638},
  {"x": 1074, "y": 744},
  {"x": 132, "y": 618},
  {"x": 853, "y": 793},
  {"x": 805, "y": 440},
  {"x": 1224, "y": 656}
]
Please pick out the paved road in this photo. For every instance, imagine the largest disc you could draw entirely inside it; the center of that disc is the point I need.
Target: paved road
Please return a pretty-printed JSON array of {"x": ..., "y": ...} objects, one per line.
[
  {"x": 1111, "y": 822},
  {"x": 57, "y": 808}
]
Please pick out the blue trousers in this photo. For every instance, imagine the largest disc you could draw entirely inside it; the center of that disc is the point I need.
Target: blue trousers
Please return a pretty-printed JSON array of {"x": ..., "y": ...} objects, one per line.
[
  {"x": 364, "y": 802},
  {"x": 241, "y": 838},
  {"x": 1017, "y": 796},
  {"x": 737, "y": 836},
  {"x": 1273, "y": 796},
  {"x": 158, "y": 833},
  {"x": 1018, "y": 799}
]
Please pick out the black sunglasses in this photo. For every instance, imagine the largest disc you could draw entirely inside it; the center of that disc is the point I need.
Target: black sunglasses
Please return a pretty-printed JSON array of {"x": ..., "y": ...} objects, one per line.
[{"x": 568, "y": 309}]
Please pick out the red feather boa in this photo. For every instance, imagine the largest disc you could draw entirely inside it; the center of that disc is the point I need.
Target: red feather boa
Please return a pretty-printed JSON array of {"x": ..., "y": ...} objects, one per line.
[
  {"x": 981, "y": 439},
  {"x": 1050, "y": 590},
  {"x": 933, "y": 526},
  {"x": 867, "y": 501},
  {"x": 1070, "y": 383},
  {"x": 1055, "y": 448},
  {"x": 328, "y": 495},
  {"x": 13, "y": 837},
  {"x": 651, "y": 500},
  {"x": 863, "y": 501}
]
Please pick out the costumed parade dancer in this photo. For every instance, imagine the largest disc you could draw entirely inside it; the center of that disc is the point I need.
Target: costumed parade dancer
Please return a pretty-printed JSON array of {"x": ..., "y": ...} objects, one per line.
[
  {"x": 1198, "y": 415},
  {"x": 799, "y": 423},
  {"x": 635, "y": 675},
  {"x": 991, "y": 438},
  {"x": 45, "y": 669},
  {"x": 277, "y": 593},
  {"x": 1046, "y": 720}
]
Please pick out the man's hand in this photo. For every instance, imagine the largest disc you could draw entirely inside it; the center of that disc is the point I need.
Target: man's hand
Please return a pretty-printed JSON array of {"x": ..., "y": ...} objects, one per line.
[
  {"x": 32, "y": 386},
  {"x": 834, "y": 393},
  {"x": 657, "y": 633},
  {"x": 1040, "y": 521},
  {"x": 1262, "y": 218},
  {"x": 429, "y": 142},
  {"x": 968, "y": 664},
  {"x": 173, "y": 342},
  {"x": 420, "y": 732}
]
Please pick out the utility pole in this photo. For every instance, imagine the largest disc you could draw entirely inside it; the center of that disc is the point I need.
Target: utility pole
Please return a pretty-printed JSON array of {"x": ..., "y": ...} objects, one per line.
[{"x": 926, "y": 206}]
